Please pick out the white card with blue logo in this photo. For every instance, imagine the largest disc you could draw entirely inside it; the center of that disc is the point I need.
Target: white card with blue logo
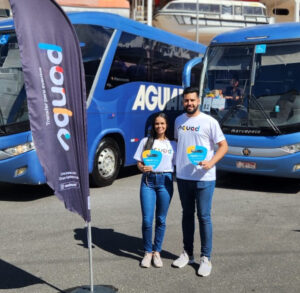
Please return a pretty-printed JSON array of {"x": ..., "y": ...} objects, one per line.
[
  {"x": 152, "y": 158},
  {"x": 196, "y": 154}
]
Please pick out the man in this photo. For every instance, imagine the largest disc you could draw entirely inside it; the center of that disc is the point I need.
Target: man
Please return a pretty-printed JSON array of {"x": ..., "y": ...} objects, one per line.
[
  {"x": 196, "y": 183},
  {"x": 233, "y": 93}
]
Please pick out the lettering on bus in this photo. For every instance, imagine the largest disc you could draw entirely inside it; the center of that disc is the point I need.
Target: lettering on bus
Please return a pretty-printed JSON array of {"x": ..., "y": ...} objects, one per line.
[
  {"x": 60, "y": 113},
  {"x": 158, "y": 97},
  {"x": 245, "y": 131}
]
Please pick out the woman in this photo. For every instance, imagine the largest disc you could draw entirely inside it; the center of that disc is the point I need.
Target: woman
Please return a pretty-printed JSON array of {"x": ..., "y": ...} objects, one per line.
[{"x": 156, "y": 188}]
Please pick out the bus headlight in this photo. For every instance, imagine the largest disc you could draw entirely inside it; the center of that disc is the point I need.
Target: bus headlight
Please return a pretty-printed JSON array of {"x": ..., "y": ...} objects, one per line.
[
  {"x": 19, "y": 149},
  {"x": 293, "y": 148}
]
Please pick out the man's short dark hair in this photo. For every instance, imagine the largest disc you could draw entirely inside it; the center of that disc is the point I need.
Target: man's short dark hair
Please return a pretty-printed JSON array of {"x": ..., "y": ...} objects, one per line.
[
  {"x": 235, "y": 77},
  {"x": 190, "y": 90}
]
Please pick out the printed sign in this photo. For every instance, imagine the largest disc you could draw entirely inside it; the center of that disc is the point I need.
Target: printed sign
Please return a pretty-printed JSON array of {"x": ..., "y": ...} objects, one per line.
[
  {"x": 218, "y": 103},
  {"x": 196, "y": 154},
  {"x": 152, "y": 158},
  {"x": 206, "y": 105}
]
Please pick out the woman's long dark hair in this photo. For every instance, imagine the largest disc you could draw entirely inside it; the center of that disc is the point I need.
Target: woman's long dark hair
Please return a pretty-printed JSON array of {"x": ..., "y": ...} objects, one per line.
[{"x": 153, "y": 134}]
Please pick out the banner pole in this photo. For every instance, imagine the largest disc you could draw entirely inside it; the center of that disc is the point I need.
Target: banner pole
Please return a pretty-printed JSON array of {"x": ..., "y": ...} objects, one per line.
[{"x": 89, "y": 236}]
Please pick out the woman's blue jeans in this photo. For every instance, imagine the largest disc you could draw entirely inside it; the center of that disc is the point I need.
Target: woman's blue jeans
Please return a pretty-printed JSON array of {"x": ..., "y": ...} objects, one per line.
[
  {"x": 156, "y": 192},
  {"x": 200, "y": 194}
]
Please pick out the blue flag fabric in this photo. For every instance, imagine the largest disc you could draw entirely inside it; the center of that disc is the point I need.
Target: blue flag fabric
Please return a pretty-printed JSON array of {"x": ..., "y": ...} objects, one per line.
[{"x": 55, "y": 87}]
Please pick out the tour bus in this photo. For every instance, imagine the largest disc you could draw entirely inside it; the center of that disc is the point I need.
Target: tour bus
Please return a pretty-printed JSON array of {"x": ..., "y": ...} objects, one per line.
[
  {"x": 213, "y": 17},
  {"x": 131, "y": 71},
  {"x": 251, "y": 84}
]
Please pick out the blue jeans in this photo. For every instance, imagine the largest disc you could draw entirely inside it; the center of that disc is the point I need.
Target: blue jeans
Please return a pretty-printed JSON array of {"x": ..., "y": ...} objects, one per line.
[
  {"x": 156, "y": 191},
  {"x": 196, "y": 193}
]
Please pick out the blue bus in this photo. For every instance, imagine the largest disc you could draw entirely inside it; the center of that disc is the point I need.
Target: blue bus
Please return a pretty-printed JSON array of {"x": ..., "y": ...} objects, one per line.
[
  {"x": 251, "y": 84},
  {"x": 131, "y": 71}
]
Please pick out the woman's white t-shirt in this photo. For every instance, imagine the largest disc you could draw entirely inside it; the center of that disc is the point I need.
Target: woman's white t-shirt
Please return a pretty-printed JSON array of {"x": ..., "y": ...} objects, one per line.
[{"x": 167, "y": 149}]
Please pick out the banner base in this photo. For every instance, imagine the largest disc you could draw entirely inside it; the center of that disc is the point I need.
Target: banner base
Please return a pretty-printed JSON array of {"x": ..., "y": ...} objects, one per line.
[{"x": 97, "y": 289}]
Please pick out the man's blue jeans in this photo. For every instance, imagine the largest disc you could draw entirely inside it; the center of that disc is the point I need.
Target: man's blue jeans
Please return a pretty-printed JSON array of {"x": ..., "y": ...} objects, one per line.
[
  {"x": 196, "y": 193},
  {"x": 156, "y": 191}
]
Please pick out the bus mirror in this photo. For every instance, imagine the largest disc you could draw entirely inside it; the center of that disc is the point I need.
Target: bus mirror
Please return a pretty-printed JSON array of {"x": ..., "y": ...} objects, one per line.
[{"x": 186, "y": 74}]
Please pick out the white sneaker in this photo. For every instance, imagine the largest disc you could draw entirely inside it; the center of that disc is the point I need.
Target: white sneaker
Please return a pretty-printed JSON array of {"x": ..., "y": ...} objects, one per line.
[
  {"x": 146, "y": 261},
  {"x": 157, "y": 262},
  {"x": 205, "y": 267},
  {"x": 183, "y": 260}
]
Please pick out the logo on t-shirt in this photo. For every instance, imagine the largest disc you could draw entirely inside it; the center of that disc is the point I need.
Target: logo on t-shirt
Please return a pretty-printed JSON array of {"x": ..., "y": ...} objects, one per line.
[
  {"x": 164, "y": 151},
  {"x": 189, "y": 128}
]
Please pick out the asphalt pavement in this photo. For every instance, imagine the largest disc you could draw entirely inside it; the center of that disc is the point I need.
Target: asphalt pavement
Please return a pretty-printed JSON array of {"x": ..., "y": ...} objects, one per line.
[{"x": 256, "y": 240}]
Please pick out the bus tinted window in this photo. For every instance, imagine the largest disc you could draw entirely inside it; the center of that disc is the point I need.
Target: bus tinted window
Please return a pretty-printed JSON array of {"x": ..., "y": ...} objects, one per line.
[
  {"x": 227, "y": 9},
  {"x": 250, "y": 10},
  {"x": 93, "y": 41},
  {"x": 175, "y": 6},
  {"x": 207, "y": 8},
  {"x": 140, "y": 59},
  {"x": 212, "y": 8},
  {"x": 190, "y": 6},
  {"x": 13, "y": 108}
]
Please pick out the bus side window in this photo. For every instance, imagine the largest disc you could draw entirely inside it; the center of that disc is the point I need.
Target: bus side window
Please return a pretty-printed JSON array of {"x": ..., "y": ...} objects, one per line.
[
  {"x": 129, "y": 63},
  {"x": 93, "y": 42},
  {"x": 141, "y": 59}
]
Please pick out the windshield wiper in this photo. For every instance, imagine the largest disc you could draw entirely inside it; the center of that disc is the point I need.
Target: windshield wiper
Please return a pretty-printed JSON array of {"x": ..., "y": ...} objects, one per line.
[{"x": 267, "y": 117}]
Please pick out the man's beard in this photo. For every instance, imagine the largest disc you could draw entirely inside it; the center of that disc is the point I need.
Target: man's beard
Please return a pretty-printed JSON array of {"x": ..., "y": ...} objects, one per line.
[{"x": 191, "y": 112}]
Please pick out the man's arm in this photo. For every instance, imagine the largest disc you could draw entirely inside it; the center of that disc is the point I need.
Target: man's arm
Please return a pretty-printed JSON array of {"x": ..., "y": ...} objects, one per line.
[{"x": 220, "y": 153}]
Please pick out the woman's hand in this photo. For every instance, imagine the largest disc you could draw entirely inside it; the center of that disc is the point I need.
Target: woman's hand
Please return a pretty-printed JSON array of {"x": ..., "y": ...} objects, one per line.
[{"x": 144, "y": 168}]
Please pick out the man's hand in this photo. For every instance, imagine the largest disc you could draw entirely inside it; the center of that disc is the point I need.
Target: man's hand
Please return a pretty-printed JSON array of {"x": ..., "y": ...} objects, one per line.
[
  {"x": 221, "y": 151},
  {"x": 206, "y": 165}
]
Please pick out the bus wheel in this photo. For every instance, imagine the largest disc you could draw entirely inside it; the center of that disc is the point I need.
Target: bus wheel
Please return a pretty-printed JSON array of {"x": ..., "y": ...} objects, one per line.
[{"x": 107, "y": 163}]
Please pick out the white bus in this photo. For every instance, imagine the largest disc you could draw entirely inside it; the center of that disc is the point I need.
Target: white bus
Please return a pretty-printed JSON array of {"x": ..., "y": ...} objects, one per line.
[{"x": 214, "y": 17}]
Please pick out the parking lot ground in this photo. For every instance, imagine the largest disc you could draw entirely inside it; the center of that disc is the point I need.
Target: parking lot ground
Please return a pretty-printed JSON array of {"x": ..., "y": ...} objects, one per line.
[{"x": 256, "y": 240}]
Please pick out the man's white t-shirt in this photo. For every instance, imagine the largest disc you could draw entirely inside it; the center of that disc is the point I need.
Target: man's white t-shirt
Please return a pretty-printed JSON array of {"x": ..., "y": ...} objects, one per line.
[
  {"x": 167, "y": 149},
  {"x": 202, "y": 130}
]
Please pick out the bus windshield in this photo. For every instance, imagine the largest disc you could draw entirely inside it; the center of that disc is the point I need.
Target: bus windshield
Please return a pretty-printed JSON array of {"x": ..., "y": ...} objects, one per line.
[
  {"x": 13, "y": 103},
  {"x": 253, "y": 89},
  {"x": 13, "y": 100}
]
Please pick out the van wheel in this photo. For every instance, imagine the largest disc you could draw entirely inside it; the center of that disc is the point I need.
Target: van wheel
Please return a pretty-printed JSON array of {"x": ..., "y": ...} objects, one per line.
[{"x": 107, "y": 163}]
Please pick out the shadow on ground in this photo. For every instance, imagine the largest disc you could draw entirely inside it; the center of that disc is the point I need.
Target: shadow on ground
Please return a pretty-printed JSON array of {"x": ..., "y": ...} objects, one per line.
[
  {"x": 257, "y": 183},
  {"x": 13, "y": 277},
  {"x": 116, "y": 243},
  {"x": 20, "y": 192},
  {"x": 128, "y": 171}
]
